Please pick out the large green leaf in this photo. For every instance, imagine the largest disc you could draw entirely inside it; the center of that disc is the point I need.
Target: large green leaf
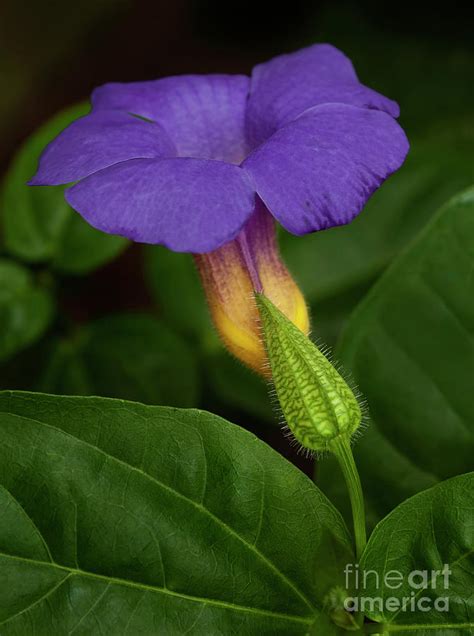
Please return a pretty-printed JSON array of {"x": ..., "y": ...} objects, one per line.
[
  {"x": 121, "y": 518},
  {"x": 82, "y": 249},
  {"x": 26, "y": 309},
  {"x": 410, "y": 348},
  {"x": 431, "y": 532},
  {"x": 130, "y": 356},
  {"x": 38, "y": 223}
]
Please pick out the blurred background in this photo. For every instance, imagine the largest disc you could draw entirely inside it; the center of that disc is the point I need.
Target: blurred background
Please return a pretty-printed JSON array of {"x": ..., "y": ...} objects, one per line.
[{"x": 82, "y": 313}]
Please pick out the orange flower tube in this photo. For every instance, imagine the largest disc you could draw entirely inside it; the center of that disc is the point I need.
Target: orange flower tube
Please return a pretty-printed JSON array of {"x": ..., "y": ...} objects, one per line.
[{"x": 230, "y": 276}]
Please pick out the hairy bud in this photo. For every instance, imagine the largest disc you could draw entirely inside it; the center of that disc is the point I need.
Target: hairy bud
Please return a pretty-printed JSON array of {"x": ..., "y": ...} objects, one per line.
[{"x": 316, "y": 401}]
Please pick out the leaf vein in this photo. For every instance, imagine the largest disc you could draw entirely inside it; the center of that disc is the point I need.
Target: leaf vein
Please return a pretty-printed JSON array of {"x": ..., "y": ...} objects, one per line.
[
  {"x": 196, "y": 505},
  {"x": 160, "y": 590}
]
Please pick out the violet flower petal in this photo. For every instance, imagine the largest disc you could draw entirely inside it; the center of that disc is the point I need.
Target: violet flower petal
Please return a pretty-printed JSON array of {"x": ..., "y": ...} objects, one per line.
[
  {"x": 284, "y": 87},
  {"x": 203, "y": 114},
  {"x": 188, "y": 205},
  {"x": 97, "y": 141},
  {"x": 319, "y": 171}
]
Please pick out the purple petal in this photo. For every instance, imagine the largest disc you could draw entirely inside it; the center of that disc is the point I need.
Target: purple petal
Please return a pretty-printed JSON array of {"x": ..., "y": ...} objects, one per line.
[
  {"x": 203, "y": 114},
  {"x": 319, "y": 170},
  {"x": 97, "y": 141},
  {"x": 189, "y": 205},
  {"x": 287, "y": 85}
]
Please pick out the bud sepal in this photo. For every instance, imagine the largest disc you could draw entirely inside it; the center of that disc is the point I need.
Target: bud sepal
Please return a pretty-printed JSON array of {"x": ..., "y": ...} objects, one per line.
[{"x": 317, "y": 403}]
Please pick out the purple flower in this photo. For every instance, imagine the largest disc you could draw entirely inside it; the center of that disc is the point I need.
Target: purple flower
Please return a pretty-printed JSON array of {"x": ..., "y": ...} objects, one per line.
[
  {"x": 185, "y": 161},
  {"x": 202, "y": 163}
]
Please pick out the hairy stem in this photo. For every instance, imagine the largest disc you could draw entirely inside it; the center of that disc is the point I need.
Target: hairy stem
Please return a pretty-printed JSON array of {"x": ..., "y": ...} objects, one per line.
[{"x": 342, "y": 449}]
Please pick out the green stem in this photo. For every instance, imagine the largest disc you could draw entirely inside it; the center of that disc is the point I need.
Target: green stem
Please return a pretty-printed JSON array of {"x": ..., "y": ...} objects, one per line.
[{"x": 342, "y": 449}]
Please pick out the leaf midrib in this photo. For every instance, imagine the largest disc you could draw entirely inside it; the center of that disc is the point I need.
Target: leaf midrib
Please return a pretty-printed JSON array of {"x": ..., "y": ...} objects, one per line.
[
  {"x": 426, "y": 626},
  {"x": 110, "y": 580},
  {"x": 198, "y": 506}
]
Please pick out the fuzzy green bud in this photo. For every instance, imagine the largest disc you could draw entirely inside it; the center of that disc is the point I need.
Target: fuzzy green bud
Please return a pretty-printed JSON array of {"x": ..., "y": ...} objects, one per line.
[{"x": 317, "y": 403}]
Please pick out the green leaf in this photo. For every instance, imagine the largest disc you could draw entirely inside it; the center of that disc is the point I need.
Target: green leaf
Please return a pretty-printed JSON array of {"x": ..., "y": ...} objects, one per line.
[
  {"x": 335, "y": 267},
  {"x": 26, "y": 309},
  {"x": 128, "y": 356},
  {"x": 122, "y": 518},
  {"x": 431, "y": 532},
  {"x": 410, "y": 348},
  {"x": 83, "y": 249},
  {"x": 38, "y": 223}
]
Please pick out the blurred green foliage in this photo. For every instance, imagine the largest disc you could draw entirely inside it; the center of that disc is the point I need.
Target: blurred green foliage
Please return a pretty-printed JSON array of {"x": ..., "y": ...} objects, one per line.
[
  {"x": 410, "y": 348},
  {"x": 26, "y": 308},
  {"x": 132, "y": 356},
  {"x": 39, "y": 226}
]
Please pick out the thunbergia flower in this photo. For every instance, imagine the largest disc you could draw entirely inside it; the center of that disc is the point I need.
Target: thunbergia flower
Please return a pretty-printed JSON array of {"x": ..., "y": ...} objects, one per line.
[{"x": 204, "y": 164}]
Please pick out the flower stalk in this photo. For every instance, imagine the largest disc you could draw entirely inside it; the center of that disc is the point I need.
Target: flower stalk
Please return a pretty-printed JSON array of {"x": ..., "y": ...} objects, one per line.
[{"x": 341, "y": 448}]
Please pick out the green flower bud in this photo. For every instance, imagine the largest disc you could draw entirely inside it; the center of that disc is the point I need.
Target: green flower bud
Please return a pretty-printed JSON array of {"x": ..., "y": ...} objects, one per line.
[{"x": 318, "y": 405}]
